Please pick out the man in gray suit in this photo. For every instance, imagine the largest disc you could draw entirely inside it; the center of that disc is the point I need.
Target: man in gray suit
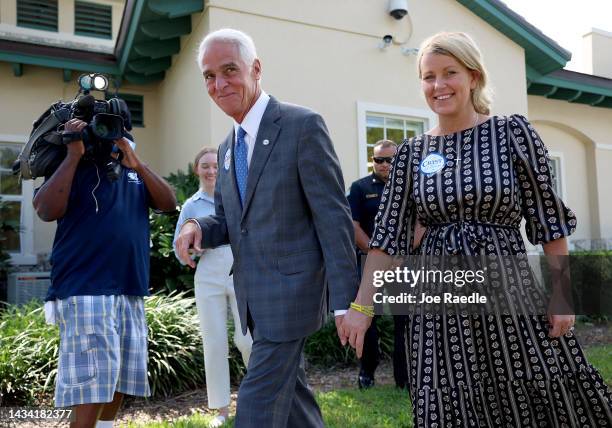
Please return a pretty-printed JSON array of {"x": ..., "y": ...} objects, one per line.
[{"x": 280, "y": 204}]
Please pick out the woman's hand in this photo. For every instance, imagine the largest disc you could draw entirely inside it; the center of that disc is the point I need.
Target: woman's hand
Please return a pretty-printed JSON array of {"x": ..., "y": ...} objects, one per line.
[
  {"x": 561, "y": 298},
  {"x": 419, "y": 232},
  {"x": 560, "y": 325},
  {"x": 353, "y": 328}
]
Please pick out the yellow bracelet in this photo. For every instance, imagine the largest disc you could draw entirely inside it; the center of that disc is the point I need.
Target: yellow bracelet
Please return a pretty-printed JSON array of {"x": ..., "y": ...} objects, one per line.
[{"x": 366, "y": 310}]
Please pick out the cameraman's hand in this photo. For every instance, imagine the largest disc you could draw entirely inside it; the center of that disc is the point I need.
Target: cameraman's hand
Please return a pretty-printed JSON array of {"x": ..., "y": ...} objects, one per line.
[
  {"x": 130, "y": 159},
  {"x": 75, "y": 148}
]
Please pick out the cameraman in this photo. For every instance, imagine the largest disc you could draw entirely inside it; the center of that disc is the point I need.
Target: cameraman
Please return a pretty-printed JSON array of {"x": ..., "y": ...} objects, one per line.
[{"x": 100, "y": 274}]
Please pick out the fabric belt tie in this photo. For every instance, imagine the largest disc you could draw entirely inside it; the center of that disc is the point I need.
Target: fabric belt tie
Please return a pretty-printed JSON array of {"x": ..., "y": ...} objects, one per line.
[{"x": 458, "y": 234}]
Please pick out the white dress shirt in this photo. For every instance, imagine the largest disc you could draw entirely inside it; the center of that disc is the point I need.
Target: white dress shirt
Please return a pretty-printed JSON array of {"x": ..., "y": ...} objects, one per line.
[{"x": 251, "y": 123}]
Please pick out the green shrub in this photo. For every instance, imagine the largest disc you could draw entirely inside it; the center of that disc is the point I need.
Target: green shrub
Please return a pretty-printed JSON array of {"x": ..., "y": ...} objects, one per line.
[
  {"x": 591, "y": 280},
  {"x": 175, "y": 346},
  {"x": 176, "y": 357},
  {"x": 324, "y": 348},
  {"x": 167, "y": 274},
  {"x": 28, "y": 355},
  {"x": 29, "y": 351}
]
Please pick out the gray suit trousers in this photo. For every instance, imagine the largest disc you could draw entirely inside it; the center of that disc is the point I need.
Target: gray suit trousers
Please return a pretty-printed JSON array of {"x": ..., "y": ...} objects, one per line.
[{"x": 274, "y": 392}]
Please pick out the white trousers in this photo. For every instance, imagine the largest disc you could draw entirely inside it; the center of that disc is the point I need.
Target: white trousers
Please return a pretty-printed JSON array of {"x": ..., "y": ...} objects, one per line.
[{"x": 213, "y": 288}]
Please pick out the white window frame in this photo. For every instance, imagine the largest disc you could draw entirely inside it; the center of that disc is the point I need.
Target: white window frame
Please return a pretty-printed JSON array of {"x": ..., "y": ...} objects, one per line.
[
  {"x": 561, "y": 173},
  {"x": 26, "y": 256},
  {"x": 426, "y": 116}
]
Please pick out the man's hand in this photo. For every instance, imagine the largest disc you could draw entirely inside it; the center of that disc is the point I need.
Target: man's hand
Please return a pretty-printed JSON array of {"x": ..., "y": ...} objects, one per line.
[
  {"x": 76, "y": 148},
  {"x": 353, "y": 328},
  {"x": 190, "y": 236},
  {"x": 339, "y": 319},
  {"x": 130, "y": 159}
]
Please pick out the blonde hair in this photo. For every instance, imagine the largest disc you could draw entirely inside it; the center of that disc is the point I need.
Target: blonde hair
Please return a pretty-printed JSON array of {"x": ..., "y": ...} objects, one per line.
[
  {"x": 198, "y": 156},
  {"x": 463, "y": 48}
]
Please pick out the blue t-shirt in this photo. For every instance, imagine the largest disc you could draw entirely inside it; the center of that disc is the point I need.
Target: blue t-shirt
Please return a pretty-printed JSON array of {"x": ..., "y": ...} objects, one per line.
[{"x": 101, "y": 245}]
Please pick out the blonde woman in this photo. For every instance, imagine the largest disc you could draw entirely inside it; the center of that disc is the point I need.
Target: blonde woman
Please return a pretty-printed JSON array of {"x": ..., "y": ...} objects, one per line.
[
  {"x": 471, "y": 180},
  {"x": 214, "y": 289}
]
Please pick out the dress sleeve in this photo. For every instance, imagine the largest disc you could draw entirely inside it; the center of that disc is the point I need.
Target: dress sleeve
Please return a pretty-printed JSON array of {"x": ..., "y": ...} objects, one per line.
[
  {"x": 547, "y": 216},
  {"x": 394, "y": 222}
]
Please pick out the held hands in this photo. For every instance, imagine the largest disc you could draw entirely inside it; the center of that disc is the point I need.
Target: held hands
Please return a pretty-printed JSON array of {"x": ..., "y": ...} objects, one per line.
[
  {"x": 189, "y": 237},
  {"x": 352, "y": 328}
]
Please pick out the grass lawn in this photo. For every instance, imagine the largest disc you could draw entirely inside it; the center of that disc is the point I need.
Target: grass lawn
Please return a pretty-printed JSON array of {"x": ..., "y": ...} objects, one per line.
[
  {"x": 601, "y": 358},
  {"x": 381, "y": 407},
  {"x": 384, "y": 406}
]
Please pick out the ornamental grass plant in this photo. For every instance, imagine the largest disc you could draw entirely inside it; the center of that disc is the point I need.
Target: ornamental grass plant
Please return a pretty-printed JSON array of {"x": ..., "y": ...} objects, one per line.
[{"x": 29, "y": 351}]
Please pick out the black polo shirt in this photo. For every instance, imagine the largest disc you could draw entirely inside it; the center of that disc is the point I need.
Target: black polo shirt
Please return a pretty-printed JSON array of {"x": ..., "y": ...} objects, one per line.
[{"x": 364, "y": 199}]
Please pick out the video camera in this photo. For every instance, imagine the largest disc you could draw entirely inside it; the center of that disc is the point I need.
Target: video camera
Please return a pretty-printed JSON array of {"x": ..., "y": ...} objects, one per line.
[{"x": 106, "y": 121}]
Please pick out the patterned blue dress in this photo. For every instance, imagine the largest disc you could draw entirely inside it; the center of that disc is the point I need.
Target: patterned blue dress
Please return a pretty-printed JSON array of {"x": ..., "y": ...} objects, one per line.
[{"x": 487, "y": 370}]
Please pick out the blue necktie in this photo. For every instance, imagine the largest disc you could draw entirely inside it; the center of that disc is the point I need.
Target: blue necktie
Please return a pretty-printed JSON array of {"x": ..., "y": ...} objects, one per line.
[{"x": 240, "y": 163}]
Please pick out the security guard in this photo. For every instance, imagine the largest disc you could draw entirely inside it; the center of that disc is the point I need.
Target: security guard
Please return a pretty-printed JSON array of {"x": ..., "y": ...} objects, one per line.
[{"x": 364, "y": 198}]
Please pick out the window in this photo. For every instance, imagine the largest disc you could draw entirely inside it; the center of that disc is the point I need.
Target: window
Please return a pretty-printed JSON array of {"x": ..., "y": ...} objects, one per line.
[
  {"x": 135, "y": 105},
  {"x": 38, "y": 14},
  {"x": 92, "y": 19},
  {"x": 10, "y": 197},
  {"x": 18, "y": 210},
  {"x": 556, "y": 170},
  {"x": 394, "y": 128},
  {"x": 379, "y": 121}
]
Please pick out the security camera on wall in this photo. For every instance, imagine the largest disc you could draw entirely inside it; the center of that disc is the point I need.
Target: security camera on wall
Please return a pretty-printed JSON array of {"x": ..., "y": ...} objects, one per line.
[{"x": 398, "y": 8}]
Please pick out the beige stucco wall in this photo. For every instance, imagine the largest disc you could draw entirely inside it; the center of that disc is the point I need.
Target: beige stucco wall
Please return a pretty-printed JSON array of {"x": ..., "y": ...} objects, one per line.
[
  {"x": 582, "y": 133},
  {"x": 184, "y": 124},
  {"x": 325, "y": 55}
]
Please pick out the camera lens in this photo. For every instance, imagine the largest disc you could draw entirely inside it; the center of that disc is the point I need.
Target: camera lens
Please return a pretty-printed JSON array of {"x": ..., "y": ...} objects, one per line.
[{"x": 101, "y": 130}]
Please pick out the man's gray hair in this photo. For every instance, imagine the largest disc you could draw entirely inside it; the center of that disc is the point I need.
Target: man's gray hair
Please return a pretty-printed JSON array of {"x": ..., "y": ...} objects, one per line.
[{"x": 241, "y": 40}]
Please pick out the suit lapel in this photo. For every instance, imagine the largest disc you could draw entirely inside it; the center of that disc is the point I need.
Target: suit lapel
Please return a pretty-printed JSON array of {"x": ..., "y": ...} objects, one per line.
[{"x": 268, "y": 133}]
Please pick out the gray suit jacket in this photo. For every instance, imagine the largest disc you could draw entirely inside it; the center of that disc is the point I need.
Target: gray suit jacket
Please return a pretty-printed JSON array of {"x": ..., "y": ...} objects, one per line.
[{"x": 293, "y": 241}]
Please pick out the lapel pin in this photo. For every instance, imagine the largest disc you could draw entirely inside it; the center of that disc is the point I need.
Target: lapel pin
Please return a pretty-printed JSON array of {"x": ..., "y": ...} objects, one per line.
[{"x": 265, "y": 142}]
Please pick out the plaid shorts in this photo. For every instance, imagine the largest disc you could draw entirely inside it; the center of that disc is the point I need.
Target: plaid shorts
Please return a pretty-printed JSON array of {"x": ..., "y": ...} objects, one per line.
[{"x": 103, "y": 349}]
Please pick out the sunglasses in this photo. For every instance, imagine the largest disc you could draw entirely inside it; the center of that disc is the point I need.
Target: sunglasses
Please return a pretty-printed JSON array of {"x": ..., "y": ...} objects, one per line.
[{"x": 381, "y": 160}]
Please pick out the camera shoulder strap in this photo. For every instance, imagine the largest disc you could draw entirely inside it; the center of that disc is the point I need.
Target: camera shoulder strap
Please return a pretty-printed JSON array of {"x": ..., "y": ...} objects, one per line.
[{"x": 48, "y": 123}]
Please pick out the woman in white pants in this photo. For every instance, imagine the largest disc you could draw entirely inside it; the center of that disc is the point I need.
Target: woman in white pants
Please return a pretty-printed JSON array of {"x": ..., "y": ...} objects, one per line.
[{"x": 213, "y": 288}]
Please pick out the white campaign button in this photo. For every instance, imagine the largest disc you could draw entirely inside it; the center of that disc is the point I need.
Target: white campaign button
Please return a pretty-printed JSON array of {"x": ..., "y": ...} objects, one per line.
[
  {"x": 434, "y": 162},
  {"x": 227, "y": 160},
  {"x": 266, "y": 142}
]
